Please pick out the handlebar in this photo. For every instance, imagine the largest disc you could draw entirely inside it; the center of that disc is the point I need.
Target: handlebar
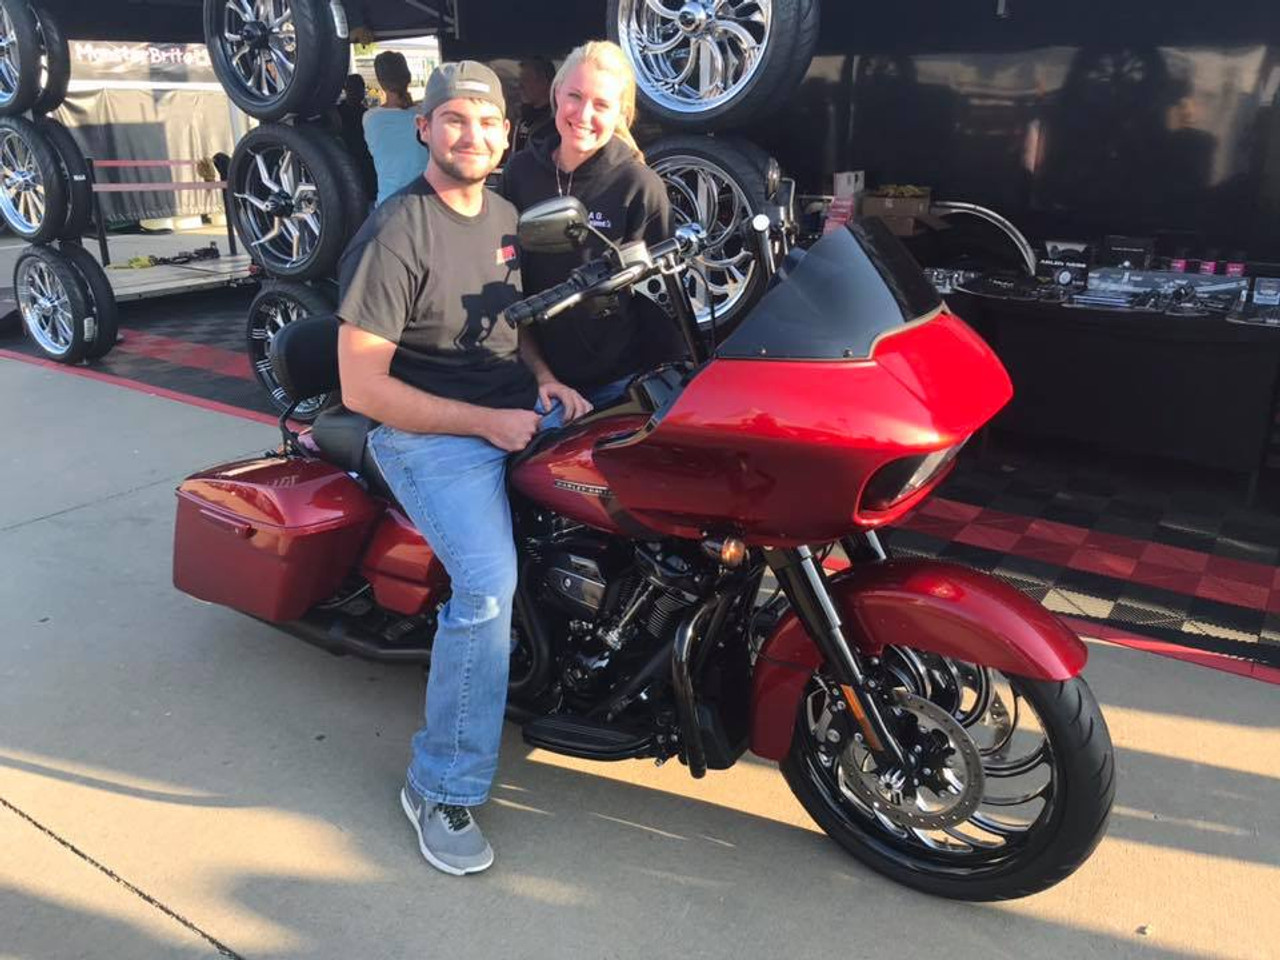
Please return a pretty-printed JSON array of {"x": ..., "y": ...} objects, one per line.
[{"x": 608, "y": 275}]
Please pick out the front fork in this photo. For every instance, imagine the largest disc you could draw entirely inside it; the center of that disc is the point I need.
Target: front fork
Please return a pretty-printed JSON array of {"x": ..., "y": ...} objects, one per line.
[{"x": 804, "y": 582}]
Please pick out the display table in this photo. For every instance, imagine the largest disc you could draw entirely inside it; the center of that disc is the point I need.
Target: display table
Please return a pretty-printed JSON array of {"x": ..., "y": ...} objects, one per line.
[{"x": 1197, "y": 389}]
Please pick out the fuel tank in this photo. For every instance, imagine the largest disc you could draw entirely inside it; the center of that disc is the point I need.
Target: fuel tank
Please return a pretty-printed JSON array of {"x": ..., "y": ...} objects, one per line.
[{"x": 561, "y": 474}]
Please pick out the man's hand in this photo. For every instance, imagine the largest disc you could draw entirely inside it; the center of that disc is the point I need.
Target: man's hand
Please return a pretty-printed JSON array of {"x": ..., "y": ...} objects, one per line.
[
  {"x": 575, "y": 404},
  {"x": 511, "y": 430}
]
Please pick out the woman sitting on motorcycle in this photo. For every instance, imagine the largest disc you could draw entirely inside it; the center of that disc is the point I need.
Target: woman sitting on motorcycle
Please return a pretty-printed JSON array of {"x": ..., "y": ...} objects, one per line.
[{"x": 596, "y": 349}]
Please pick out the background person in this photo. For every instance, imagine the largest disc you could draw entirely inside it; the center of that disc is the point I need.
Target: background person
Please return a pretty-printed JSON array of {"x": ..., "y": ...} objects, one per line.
[
  {"x": 592, "y": 156},
  {"x": 391, "y": 130}
]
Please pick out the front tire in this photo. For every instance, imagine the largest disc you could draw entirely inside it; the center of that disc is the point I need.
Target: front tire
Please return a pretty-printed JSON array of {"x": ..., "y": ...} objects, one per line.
[{"x": 1000, "y": 851}]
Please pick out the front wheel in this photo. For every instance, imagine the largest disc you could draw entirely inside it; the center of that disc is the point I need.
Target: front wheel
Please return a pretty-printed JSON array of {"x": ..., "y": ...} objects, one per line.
[{"x": 1011, "y": 789}]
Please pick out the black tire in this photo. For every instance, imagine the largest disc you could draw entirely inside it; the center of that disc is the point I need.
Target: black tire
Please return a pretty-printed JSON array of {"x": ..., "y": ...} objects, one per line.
[
  {"x": 42, "y": 276},
  {"x": 102, "y": 300},
  {"x": 55, "y": 62},
  {"x": 315, "y": 82},
  {"x": 49, "y": 184},
  {"x": 782, "y": 64},
  {"x": 325, "y": 207},
  {"x": 734, "y": 162},
  {"x": 1073, "y": 824},
  {"x": 75, "y": 170},
  {"x": 20, "y": 84},
  {"x": 356, "y": 202},
  {"x": 277, "y": 304}
]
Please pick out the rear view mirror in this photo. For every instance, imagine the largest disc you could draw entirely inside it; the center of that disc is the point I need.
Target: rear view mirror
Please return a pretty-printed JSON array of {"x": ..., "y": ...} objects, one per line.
[{"x": 558, "y": 225}]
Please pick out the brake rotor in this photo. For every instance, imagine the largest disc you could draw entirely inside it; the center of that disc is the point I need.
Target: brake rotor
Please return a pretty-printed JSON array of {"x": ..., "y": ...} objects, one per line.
[{"x": 945, "y": 790}]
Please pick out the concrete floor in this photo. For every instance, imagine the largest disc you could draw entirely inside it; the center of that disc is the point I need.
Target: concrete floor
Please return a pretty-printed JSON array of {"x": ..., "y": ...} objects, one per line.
[{"x": 178, "y": 781}]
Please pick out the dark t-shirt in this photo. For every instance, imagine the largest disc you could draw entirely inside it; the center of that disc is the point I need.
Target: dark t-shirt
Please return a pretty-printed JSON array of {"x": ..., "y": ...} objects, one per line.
[
  {"x": 435, "y": 283},
  {"x": 625, "y": 201}
]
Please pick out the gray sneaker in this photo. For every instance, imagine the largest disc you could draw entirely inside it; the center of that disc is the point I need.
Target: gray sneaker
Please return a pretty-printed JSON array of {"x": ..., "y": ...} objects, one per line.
[{"x": 448, "y": 835}]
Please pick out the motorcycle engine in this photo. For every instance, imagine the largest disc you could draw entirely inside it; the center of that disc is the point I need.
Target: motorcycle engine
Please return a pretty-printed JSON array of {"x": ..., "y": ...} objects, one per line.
[{"x": 615, "y": 604}]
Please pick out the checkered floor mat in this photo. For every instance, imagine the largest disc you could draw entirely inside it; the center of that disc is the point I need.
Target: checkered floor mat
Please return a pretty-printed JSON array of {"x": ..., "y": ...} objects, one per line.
[{"x": 1142, "y": 548}]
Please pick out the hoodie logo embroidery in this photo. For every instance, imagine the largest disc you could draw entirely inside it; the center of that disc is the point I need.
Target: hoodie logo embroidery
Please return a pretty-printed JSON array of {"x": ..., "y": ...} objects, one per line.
[{"x": 599, "y": 221}]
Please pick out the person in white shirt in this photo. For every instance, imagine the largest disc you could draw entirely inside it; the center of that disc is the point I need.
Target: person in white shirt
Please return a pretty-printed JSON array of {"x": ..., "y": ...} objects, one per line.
[{"x": 391, "y": 130}]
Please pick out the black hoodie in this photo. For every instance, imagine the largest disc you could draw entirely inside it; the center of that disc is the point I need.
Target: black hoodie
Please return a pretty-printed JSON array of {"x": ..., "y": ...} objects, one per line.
[{"x": 625, "y": 201}]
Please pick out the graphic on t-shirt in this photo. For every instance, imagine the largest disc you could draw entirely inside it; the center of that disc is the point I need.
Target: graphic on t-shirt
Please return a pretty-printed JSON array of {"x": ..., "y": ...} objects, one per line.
[{"x": 484, "y": 310}]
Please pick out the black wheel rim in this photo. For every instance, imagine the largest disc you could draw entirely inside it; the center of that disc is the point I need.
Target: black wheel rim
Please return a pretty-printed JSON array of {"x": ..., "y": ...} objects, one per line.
[
  {"x": 1017, "y": 811},
  {"x": 260, "y": 45},
  {"x": 279, "y": 208},
  {"x": 270, "y": 315}
]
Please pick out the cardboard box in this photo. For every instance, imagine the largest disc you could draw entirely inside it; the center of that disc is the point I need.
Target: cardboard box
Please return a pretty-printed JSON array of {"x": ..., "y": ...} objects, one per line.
[
  {"x": 884, "y": 207},
  {"x": 850, "y": 183},
  {"x": 900, "y": 226}
]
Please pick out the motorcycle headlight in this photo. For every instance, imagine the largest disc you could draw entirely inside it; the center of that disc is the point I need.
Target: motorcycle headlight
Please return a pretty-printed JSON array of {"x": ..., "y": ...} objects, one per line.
[{"x": 899, "y": 479}]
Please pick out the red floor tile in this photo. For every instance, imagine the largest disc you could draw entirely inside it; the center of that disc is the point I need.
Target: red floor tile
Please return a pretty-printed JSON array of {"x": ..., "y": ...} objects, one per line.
[
  {"x": 1233, "y": 592},
  {"x": 977, "y": 535},
  {"x": 1050, "y": 531},
  {"x": 1093, "y": 560},
  {"x": 1242, "y": 571},
  {"x": 1174, "y": 557}
]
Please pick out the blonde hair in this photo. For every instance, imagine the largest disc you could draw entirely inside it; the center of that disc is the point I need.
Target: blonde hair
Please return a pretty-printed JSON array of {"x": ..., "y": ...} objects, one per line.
[{"x": 608, "y": 58}]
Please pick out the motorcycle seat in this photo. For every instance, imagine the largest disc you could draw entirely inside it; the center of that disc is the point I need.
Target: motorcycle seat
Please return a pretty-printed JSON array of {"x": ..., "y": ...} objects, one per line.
[{"x": 341, "y": 436}]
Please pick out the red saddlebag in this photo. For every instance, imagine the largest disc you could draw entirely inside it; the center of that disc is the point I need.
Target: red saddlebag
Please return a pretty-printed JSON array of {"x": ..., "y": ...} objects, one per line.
[{"x": 270, "y": 537}]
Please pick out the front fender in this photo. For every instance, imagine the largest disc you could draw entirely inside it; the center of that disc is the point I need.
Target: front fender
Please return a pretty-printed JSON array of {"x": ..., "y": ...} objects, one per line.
[{"x": 923, "y": 604}]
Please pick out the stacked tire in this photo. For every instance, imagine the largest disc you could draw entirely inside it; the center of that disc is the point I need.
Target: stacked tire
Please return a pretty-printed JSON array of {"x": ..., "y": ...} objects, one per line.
[
  {"x": 297, "y": 196},
  {"x": 46, "y": 196}
]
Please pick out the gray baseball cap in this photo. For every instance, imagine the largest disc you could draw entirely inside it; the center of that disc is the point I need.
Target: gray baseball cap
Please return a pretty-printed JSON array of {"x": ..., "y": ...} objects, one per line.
[{"x": 464, "y": 78}]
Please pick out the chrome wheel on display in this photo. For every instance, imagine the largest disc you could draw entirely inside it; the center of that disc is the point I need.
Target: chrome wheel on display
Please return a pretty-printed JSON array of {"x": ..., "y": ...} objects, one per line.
[
  {"x": 693, "y": 55},
  {"x": 720, "y": 184},
  {"x": 276, "y": 306},
  {"x": 33, "y": 186},
  {"x": 276, "y": 57},
  {"x": 19, "y": 57},
  {"x": 288, "y": 201},
  {"x": 52, "y": 302},
  {"x": 714, "y": 62}
]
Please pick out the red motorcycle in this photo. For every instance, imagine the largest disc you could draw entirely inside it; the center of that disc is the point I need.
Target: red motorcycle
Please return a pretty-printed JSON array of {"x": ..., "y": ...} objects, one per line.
[{"x": 675, "y": 598}]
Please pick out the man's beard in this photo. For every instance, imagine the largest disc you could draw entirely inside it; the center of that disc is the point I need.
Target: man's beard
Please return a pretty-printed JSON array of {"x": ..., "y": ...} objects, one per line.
[{"x": 453, "y": 172}]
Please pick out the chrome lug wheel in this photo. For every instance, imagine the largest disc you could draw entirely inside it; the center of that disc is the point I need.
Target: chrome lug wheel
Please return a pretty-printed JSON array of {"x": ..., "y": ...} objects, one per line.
[
  {"x": 22, "y": 191},
  {"x": 279, "y": 207},
  {"x": 703, "y": 192},
  {"x": 46, "y": 308},
  {"x": 693, "y": 55}
]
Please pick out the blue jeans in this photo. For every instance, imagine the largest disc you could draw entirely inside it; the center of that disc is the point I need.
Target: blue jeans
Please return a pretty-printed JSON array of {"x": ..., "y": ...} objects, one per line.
[
  {"x": 607, "y": 393},
  {"x": 454, "y": 490}
]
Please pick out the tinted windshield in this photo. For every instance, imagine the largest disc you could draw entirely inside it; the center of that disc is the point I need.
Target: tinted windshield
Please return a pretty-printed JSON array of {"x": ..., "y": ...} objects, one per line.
[{"x": 851, "y": 286}]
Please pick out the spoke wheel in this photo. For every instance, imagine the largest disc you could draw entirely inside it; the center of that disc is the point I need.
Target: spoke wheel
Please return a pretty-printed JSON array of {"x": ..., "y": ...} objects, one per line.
[
  {"x": 714, "y": 61},
  {"x": 53, "y": 304},
  {"x": 33, "y": 185},
  {"x": 276, "y": 57},
  {"x": 1009, "y": 791},
  {"x": 277, "y": 305},
  {"x": 288, "y": 200},
  {"x": 19, "y": 57},
  {"x": 719, "y": 184}
]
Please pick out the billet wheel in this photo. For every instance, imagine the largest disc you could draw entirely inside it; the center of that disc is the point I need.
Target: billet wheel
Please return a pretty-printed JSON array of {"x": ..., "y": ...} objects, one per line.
[
  {"x": 276, "y": 57},
  {"x": 54, "y": 306},
  {"x": 720, "y": 184},
  {"x": 75, "y": 174},
  {"x": 33, "y": 194},
  {"x": 715, "y": 63},
  {"x": 55, "y": 62},
  {"x": 19, "y": 57},
  {"x": 1011, "y": 783},
  {"x": 288, "y": 200},
  {"x": 276, "y": 305},
  {"x": 101, "y": 300}
]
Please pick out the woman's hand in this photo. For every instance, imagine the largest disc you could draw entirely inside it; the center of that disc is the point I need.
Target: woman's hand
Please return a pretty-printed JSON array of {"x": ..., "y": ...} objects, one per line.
[{"x": 575, "y": 404}]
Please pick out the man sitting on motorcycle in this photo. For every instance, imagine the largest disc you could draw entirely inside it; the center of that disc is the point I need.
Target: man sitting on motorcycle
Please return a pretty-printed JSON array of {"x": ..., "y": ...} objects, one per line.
[{"x": 424, "y": 351}]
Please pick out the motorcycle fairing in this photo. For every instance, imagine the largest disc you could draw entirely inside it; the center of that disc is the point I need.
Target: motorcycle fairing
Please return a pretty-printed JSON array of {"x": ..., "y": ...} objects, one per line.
[{"x": 926, "y": 605}]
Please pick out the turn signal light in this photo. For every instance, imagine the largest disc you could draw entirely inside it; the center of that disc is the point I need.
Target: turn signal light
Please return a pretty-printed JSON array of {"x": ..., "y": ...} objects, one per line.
[{"x": 730, "y": 551}]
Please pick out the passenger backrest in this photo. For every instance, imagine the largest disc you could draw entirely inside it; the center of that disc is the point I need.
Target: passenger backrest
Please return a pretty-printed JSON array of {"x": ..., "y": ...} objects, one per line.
[{"x": 304, "y": 357}]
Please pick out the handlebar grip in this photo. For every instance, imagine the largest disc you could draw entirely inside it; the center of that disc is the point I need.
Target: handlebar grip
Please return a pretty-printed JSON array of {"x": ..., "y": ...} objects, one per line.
[{"x": 532, "y": 308}]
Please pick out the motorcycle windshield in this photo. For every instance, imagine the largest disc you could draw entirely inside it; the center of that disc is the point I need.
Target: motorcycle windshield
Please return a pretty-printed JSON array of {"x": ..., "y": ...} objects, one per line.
[{"x": 852, "y": 286}]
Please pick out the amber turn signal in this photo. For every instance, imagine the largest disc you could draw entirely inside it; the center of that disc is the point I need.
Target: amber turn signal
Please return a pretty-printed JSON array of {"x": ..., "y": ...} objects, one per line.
[{"x": 730, "y": 551}]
